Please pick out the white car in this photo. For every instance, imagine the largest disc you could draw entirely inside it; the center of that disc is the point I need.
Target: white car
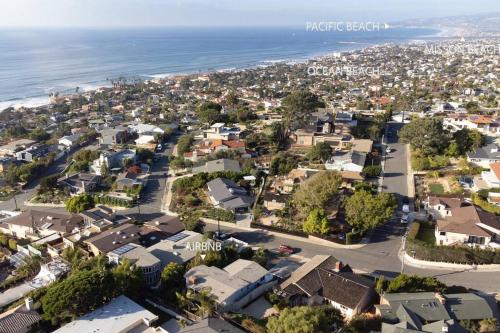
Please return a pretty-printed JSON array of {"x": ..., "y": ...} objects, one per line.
[
  {"x": 388, "y": 150},
  {"x": 404, "y": 219},
  {"x": 406, "y": 208}
]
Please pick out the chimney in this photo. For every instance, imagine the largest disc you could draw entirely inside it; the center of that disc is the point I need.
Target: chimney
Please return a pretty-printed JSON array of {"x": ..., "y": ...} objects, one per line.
[
  {"x": 339, "y": 266},
  {"x": 440, "y": 298},
  {"x": 29, "y": 303}
]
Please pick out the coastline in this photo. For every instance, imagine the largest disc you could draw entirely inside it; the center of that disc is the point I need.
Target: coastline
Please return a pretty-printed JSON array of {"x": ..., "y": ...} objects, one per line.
[{"x": 341, "y": 46}]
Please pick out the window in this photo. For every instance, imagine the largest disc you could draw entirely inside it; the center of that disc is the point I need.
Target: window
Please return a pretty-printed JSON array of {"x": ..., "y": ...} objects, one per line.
[{"x": 442, "y": 233}]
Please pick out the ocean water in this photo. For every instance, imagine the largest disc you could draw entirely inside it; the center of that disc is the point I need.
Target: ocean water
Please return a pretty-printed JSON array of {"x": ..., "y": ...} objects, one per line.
[{"x": 35, "y": 63}]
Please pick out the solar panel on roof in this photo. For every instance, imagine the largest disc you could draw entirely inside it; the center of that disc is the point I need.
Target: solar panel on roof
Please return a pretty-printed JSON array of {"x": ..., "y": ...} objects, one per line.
[
  {"x": 18, "y": 259},
  {"x": 177, "y": 237},
  {"x": 123, "y": 249}
]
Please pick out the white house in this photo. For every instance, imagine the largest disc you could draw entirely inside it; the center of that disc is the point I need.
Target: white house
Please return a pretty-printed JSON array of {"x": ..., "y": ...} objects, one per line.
[
  {"x": 492, "y": 177},
  {"x": 234, "y": 286},
  {"x": 468, "y": 226},
  {"x": 146, "y": 129},
  {"x": 440, "y": 207},
  {"x": 220, "y": 131},
  {"x": 68, "y": 141},
  {"x": 350, "y": 161},
  {"x": 484, "y": 156}
]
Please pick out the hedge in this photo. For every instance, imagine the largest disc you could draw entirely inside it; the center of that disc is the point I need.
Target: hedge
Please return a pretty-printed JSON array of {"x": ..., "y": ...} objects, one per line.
[
  {"x": 220, "y": 214},
  {"x": 413, "y": 231},
  {"x": 452, "y": 254}
]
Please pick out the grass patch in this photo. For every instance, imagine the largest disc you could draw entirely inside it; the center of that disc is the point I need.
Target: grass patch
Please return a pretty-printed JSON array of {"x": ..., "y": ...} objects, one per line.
[
  {"x": 436, "y": 188},
  {"x": 426, "y": 235}
]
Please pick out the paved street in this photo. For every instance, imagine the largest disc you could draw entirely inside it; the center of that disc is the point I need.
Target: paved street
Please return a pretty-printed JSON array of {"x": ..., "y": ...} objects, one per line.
[{"x": 380, "y": 256}]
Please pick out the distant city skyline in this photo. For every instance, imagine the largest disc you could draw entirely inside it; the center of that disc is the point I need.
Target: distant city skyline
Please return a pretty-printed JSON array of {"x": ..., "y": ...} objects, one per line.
[{"x": 202, "y": 13}]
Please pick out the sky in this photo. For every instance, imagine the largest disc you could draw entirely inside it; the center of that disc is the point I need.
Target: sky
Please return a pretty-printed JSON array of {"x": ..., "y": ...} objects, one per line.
[{"x": 116, "y": 13}]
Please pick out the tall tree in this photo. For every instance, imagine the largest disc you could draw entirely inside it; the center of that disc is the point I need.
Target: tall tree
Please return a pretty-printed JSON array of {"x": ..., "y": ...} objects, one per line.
[
  {"x": 425, "y": 134},
  {"x": 316, "y": 222},
  {"x": 297, "y": 106},
  {"x": 365, "y": 210},
  {"x": 317, "y": 191}
]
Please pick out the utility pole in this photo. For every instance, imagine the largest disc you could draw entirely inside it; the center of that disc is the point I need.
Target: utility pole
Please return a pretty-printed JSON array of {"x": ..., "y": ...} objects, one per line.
[{"x": 15, "y": 201}]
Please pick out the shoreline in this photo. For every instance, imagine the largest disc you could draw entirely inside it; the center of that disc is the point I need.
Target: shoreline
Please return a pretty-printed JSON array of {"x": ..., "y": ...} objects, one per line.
[{"x": 343, "y": 47}]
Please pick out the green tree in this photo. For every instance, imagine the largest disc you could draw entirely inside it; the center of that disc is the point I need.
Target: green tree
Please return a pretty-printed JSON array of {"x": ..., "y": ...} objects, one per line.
[
  {"x": 209, "y": 112},
  {"x": 4, "y": 240},
  {"x": 426, "y": 135},
  {"x": 261, "y": 256},
  {"x": 184, "y": 144},
  {"x": 306, "y": 319},
  {"x": 322, "y": 151},
  {"x": 412, "y": 283},
  {"x": 316, "y": 222},
  {"x": 297, "y": 106},
  {"x": 365, "y": 210},
  {"x": 317, "y": 191},
  {"x": 127, "y": 278},
  {"x": 77, "y": 295},
  {"x": 172, "y": 279},
  {"x": 80, "y": 203}
]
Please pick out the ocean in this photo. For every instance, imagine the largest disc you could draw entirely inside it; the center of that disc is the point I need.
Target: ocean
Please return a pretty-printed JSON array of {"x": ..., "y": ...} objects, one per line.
[{"x": 37, "y": 62}]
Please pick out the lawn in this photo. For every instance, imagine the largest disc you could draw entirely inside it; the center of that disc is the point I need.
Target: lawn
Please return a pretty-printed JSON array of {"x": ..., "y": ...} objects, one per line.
[
  {"x": 436, "y": 188},
  {"x": 426, "y": 234}
]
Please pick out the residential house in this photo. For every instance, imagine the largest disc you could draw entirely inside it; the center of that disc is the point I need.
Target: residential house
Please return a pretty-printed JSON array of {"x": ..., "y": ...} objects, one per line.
[
  {"x": 140, "y": 257},
  {"x": 221, "y": 145},
  {"x": 102, "y": 217},
  {"x": 234, "y": 286},
  {"x": 111, "y": 239},
  {"x": 120, "y": 315},
  {"x": 113, "y": 136},
  {"x": 223, "y": 164},
  {"x": 20, "y": 319},
  {"x": 127, "y": 180},
  {"x": 305, "y": 138},
  {"x": 225, "y": 193},
  {"x": 178, "y": 248},
  {"x": 79, "y": 183},
  {"x": 38, "y": 224},
  {"x": 69, "y": 141},
  {"x": 5, "y": 163},
  {"x": 484, "y": 156},
  {"x": 211, "y": 325},
  {"x": 275, "y": 201},
  {"x": 440, "y": 207},
  {"x": 468, "y": 226},
  {"x": 363, "y": 146},
  {"x": 12, "y": 147},
  {"x": 345, "y": 118},
  {"x": 286, "y": 184},
  {"x": 32, "y": 153},
  {"x": 113, "y": 160},
  {"x": 492, "y": 177},
  {"x": 146, "y": 129},
  {"x": 430, "y": 312},
  {"x": 161, "y": 227},
  {"x": 221, "y": 132},
  {"x": 487, "y": 125},
  {"x": 347, "y": 161},
  {"x": 324, "y": 279}
]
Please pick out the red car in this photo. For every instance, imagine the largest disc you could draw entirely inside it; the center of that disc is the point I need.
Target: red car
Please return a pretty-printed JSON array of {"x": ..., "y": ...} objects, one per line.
[{"x": 286, "y": 250}]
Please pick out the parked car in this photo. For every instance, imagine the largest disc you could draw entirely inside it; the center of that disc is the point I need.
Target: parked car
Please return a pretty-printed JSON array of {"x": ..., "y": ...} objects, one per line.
[
  {"x": 388, "y": 149},
  {"x": 220, "y": 236},
  {"x": 285, "y": 250},
  {"x": 404, "y": 219},
  {"x": 406, "y": 208}
]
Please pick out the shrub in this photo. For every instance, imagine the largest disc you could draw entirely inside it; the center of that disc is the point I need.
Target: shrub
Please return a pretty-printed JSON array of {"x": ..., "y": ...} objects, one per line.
[
  {"x": 413, "y": 231},
  {"x": 352, "y": 238},
  {"x": 13, "y": 244},
  {"x": 372, "y": 170},
  {"x": 220, "y": 214}
]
